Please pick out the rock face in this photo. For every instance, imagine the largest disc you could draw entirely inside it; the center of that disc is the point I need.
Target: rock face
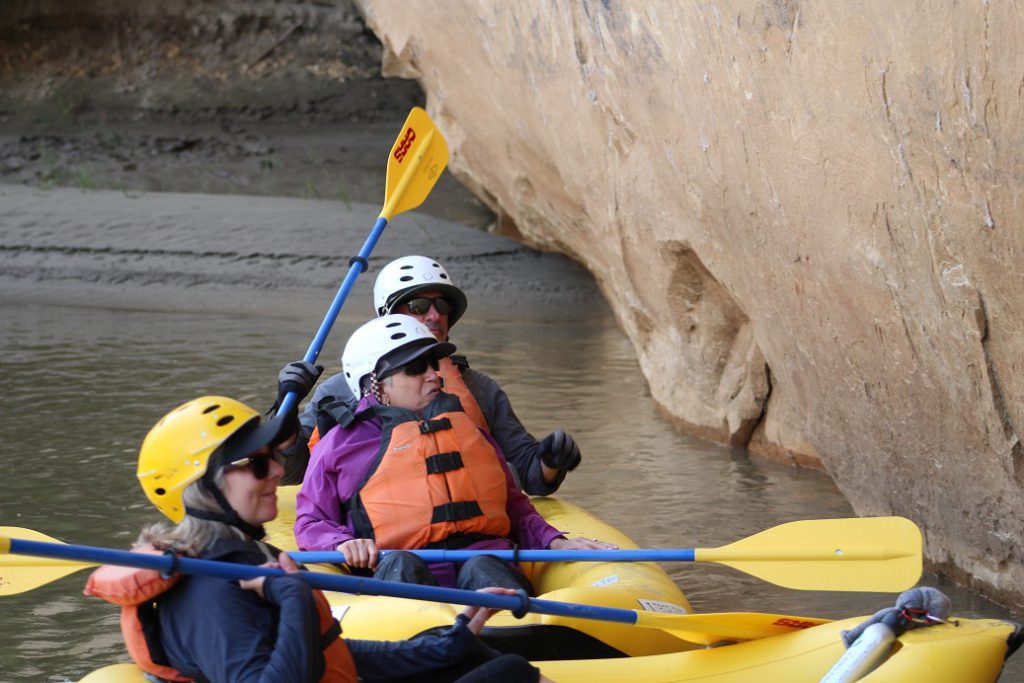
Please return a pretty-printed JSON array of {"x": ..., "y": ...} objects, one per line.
[{"x": 805, "y": 216}]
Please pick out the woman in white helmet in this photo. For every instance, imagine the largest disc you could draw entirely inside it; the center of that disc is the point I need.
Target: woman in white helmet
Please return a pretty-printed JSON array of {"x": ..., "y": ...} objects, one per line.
[
  {"x": 212, "y": 467},
  {"x": 420, "y": 287},
  {"x": 409, "y": 469}
]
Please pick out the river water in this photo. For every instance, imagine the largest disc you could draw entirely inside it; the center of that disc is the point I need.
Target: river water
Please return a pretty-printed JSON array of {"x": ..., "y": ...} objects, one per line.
[{"x": 83, "y": 384}]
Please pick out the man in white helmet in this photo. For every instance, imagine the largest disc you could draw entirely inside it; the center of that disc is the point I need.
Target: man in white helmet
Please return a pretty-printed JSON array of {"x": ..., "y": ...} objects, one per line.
[{"x": 420, "y": 287}]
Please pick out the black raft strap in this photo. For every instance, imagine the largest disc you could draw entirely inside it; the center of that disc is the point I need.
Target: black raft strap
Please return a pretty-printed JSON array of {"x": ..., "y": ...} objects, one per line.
[
  {"x": 444, "y": 462},
  {"x": 428, "y": 426},
  {"x": 454, "y": 512},
  {"x": 524, "y": 604}
]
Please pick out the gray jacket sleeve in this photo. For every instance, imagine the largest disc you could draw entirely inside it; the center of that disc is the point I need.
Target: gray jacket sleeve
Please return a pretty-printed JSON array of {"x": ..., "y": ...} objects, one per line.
[
  {"x": 522, "y": 450},
  {"x": 334, "y": 386}
]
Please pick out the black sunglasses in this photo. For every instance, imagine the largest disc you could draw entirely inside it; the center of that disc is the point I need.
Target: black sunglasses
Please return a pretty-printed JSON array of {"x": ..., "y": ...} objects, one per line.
[
  {"x": 419, "y": 366},
  {"x": 259, "y": 465},
  {"x": 421, "y": 305}
]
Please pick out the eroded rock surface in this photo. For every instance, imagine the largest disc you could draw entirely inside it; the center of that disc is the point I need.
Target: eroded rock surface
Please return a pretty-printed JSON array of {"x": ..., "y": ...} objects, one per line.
[{"x": 805, "y": 216}]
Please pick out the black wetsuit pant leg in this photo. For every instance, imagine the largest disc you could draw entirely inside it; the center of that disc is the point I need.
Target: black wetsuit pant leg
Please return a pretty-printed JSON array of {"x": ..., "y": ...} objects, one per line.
[
  {"x": 501, "y": 669},
  {"x": 405, "y": 567},
  {"x": 484, "y": 571}
]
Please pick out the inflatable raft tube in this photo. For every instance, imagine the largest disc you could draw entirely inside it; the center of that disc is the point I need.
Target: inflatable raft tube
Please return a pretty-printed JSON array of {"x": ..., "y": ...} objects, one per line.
[
  {"x": 973, "y": 650},
  {"x": 633, "y": 585}
]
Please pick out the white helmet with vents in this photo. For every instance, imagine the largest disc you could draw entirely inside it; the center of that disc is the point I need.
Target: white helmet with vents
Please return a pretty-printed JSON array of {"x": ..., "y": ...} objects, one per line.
[
  {"x": 385, "y": 344},
  {"x": 405, "y": 277}
]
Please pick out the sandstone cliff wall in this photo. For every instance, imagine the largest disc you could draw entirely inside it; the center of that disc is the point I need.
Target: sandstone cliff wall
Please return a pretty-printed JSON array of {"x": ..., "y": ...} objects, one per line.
[{"x": 805, "y": 216}]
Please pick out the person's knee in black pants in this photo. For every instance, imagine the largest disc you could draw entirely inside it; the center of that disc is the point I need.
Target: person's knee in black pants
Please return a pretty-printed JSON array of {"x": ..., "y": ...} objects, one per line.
[
  {"x": 484, "y": 571},
  {"x": 503, "y": 669},
  {"x": 405, "y": 567}
]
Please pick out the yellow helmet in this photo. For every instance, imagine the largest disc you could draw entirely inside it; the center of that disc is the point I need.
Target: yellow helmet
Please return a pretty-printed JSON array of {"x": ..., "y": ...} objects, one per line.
[{"x": 177, "y": 450}]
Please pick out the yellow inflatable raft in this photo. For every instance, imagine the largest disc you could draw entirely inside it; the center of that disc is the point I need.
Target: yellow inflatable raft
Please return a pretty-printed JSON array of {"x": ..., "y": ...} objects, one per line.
[
  {"x": 637, "y": 585},
  {"x": 972, "y": 651},
  {"x": 798, "y": 649}
]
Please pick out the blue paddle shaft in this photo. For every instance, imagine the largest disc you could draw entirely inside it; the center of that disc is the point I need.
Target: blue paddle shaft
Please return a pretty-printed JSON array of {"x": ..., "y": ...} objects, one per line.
[
  {"x": 169, "y": 564},
  {"x": 639, "y": 555},
  {"x": 317, "y": 345}
]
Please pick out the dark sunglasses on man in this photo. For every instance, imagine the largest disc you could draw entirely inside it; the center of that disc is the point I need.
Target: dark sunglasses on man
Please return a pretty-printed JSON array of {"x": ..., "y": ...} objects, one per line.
[{"x": 421, "y": 305}]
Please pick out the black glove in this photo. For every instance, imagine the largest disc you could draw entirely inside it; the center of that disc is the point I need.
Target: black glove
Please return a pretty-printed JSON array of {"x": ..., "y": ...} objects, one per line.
[
  {"x": 560, "y": 451},
  {"x": 299, "y": 377}
]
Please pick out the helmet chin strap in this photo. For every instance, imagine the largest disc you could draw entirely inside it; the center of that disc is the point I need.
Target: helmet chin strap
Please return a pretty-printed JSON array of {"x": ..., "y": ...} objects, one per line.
[{"x": 229, "y": 516}]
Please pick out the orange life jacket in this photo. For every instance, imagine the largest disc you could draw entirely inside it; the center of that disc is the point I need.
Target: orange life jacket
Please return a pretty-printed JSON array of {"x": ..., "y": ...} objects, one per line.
[
  {"x": 314, "y": 438},
  {"x": 131, "y": 588},
  {"x": 450, "y": 375},
  {"x": 432, "y": 478}
]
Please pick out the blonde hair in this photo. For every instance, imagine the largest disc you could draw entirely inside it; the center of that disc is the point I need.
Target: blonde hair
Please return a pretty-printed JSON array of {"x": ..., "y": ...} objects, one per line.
[{"x": 191, "y": 536}]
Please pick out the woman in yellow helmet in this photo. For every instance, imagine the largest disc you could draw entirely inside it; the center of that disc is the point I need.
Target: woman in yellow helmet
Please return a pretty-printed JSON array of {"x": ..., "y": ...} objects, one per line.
[{"x": 212, "y": 466}]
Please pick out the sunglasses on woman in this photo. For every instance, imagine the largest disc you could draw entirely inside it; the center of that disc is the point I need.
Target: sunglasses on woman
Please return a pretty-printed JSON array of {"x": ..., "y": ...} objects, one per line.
[
  {"x": 258, "y": 464},
  {"x": 421, "y": 305},
  {"x": 418, "y": 366}
]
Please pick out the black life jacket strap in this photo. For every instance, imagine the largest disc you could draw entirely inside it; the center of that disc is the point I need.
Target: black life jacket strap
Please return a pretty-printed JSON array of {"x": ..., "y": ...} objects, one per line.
[
  {"x": 360, "y": 518},
  {"x": 332, "y": 633},
  {"x": 150, "y": 622},
  {"x": 444, "y": 462},
  {"x": 457, "y": 511}
]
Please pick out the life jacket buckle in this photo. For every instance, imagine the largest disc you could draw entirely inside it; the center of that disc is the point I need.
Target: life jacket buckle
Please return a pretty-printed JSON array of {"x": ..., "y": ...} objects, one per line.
[{"x": 428, "y": 426}]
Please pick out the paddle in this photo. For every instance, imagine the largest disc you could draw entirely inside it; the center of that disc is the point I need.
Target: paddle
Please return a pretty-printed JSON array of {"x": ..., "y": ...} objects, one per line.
[
  {"x": 699, "y": 628},
  {"x": 859, "y": 554},
  {"x": 417, "y": 159}
]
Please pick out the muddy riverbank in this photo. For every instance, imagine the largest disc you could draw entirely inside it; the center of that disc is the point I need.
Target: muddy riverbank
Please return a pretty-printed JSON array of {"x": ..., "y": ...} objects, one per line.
[
  {"x": 179, "y": 162},
  {"x": 343, "y": 161},
  {"x": 273, "y": 255}
]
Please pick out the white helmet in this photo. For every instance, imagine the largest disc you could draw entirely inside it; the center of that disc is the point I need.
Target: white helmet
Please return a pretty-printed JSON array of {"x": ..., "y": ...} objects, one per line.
[
  {"x": 387, "y": 342},
  {"x": 405, "y": 276}
]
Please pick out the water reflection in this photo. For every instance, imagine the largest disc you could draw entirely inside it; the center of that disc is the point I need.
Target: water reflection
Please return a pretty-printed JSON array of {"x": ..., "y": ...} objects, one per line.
[{"x": 82, "y": 386}]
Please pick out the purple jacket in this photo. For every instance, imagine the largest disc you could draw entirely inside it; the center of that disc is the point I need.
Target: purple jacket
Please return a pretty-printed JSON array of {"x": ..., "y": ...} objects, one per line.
[{"x": 339, "y": 464}]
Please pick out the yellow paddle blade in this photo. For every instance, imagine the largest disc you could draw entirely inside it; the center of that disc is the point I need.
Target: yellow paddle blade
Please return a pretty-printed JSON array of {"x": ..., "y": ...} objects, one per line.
[
  {"x": 707, "y": 629},
  {"x": 417, "y": 159},
  {"x": 117, "y": 673},
  {"x": 21, "y": 573},
  {"x": 860, "y": 554}
]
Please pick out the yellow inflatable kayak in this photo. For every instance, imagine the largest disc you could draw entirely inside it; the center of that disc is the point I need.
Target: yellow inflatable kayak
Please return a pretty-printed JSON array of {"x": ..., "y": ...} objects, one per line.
[
  {"x": 973, "y": 651},
  {"x": 762, "y": 647},
  {"x": 636, "y": 585}
]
